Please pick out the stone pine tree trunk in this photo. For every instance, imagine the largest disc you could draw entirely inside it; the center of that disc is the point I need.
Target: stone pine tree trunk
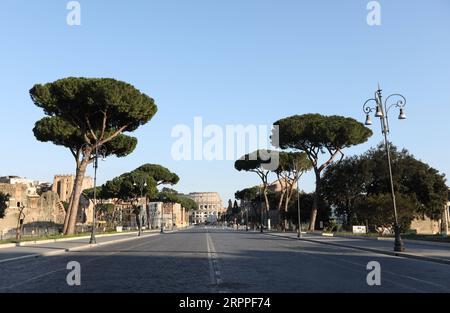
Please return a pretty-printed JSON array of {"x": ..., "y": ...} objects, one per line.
[
  {"x": 76, "y": 193},
  {"x": 66, "y": 215},
  {"x": 312, "y": 222},
  {"x": 286, "y": 205},
  {"x": 280, "y": 204},
  {"x": 266, "y": 201},
  {"x": 445, "y": 222}
]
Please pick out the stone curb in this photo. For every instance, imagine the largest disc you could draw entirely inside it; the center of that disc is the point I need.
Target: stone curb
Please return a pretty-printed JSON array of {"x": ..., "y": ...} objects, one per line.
[
  {"x": 86, "y": 246},
  {"x": 391, "y": 253},
  {"x": 413, "y": 241},
  {"x": 20, "y": 258},
  {"x": 38, "y": 242},
  {"x": 8, "y": 245}
]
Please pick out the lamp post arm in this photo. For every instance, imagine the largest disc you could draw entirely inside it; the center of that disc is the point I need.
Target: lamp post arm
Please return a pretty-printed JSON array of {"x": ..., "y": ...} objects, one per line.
[
  {"x": 401, "y": 103},
  {"x": 366, "y": 108}
]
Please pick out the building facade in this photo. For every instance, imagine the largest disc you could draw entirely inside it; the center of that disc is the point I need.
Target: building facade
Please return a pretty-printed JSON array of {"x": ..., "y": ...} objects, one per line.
[
  {"x": 63, "y": 185},
  {"x": 39, "y": 207},
  {"x": 209, "y": 207},
  {"x": 37, "y": 210},
  {"x": 168, "y": 214}
]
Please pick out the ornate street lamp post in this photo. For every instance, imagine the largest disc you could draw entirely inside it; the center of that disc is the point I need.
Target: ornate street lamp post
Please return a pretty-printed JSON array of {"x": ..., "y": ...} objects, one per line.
[
  {"x": 99, "y": 150},
  {"x": 381, "y": 110}
]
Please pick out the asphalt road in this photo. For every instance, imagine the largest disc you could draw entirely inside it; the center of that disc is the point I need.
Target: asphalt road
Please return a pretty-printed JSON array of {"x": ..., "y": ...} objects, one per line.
[{"x": 213, "y": 260}]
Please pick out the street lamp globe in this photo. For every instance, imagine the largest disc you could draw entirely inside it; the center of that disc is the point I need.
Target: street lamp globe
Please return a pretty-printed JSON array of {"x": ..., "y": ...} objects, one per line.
[
  {"x": 402, "y": 115},
  {"x": 368, "y": 120},
  {"x": 379, "y": 112}
]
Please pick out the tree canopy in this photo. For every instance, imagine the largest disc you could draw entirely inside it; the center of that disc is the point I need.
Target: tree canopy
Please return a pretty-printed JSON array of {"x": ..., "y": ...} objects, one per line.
[
  {"x": 85, "y": 114},
  {"x": 319, "y": 135},
  {"x": 128, "y": 186},
  {"x": 260, "y": 162},
  {"x": 168, "y": 195},
  {"x": 291, "y": 167},
  {"x": 315, "y": 133},
  {"x": 358, "y": 187},
  {"x": 247, "y": 194},
  {"x": 161, "y": 174},
  {"x": 88, "y": 110}
]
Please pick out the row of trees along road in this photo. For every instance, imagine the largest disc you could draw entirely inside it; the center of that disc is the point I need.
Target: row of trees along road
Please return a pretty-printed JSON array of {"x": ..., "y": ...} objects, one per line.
[
  {"x": 130, "y": 186},
  {"x": 84, "y": 114},
  {"x": 319, "y": 137},
  {"x": 252, "y": 201},
  {"x": 357, "y": 187},
  {"x": 290, "y": 166},
  {"x": 314, "y": 137}
]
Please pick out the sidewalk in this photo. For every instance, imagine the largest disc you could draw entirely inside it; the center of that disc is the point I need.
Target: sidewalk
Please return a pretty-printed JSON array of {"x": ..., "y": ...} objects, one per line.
[
  {"x": 428, "y": 251},
  {"x": 56, "y": 247}
]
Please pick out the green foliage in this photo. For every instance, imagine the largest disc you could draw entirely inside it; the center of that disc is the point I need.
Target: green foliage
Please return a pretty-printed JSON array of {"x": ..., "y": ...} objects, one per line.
[
  {"x": 291, "y": 161},
  {"x": 187, "y": 203},
  {"x": 65, "y": 205},
  {"x": 247, "y": 194},
  {"x": 105, "y": 208},
  {"x": 313, "y": 133},
  {"x": 160, "y": 174},
  {"x": 128, "y": 186},
  {"x": 360, "y": 185},
  {"x": 236, "y": 209},
  {"x": 306, "y": 207},
  {"x": 331, "y": 226},
  {"x": 84, "y": 114},
  {"x": 377, "y": 210},
  {"x": 101, "y": 193},
  {"x": 4, "y": 198},
  {"x": 344, "y": 182},
  {"x": 230, "y": 206},
  {"x": 172, "y": 196},
  {"x": 82, "y": 110},
  {"x": 412, "y": 178},
  {"x": 258, "y": 160}
]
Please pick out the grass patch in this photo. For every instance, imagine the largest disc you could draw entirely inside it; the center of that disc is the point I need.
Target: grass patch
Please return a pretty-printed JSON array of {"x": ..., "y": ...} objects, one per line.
[
  {"x": 58, "y": 236},
  {"x": 436, "y": 238},
  {"x": 371, "y": 235}
]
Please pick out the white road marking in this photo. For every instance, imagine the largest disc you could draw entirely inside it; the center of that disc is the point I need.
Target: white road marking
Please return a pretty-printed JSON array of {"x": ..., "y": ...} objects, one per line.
[
  {"x": 214, "y": 268},
  {"x": 64, "y": 268}
]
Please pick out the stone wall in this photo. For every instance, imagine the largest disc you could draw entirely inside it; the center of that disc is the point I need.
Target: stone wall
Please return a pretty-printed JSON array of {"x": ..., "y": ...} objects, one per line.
[
  {"x": 40, "y": 210},
  {"x": 63, "y": 185},
  {"x": 425, "y": 226}
]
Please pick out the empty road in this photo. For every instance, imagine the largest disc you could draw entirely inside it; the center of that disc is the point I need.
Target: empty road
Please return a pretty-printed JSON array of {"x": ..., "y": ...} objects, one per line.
[{"x": 202, "y": 260}]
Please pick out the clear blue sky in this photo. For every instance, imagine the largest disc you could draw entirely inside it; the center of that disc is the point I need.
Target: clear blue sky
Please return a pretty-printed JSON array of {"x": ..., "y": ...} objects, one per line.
[{"x": 230, "y": 62}]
